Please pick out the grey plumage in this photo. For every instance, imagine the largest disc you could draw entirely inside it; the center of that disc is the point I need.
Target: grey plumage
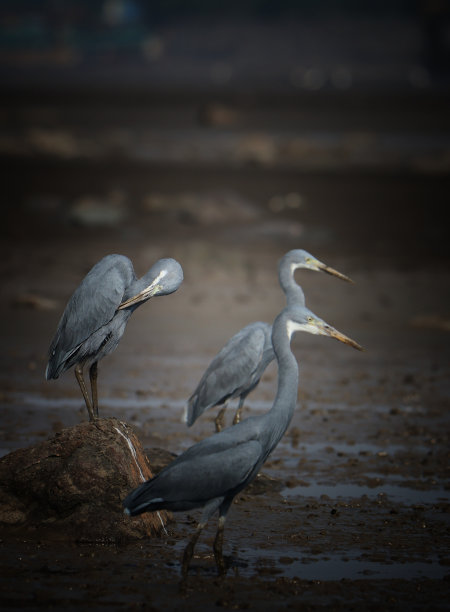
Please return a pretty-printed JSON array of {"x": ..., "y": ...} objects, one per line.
[
  {"x": 96, "y": 315},
  {"x": 234, "y": 372},
  {"x": 211, "y": 473},
  {"x": 238, "y": 367}
]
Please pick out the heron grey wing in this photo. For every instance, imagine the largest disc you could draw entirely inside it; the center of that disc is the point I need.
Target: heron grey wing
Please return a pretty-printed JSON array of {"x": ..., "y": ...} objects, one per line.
[
  {"x": 205, "y": 477},
  {"x": 233, "y": 367},
  {"x": 92, "y": 304},
  {"x": 232, "y": 437}
]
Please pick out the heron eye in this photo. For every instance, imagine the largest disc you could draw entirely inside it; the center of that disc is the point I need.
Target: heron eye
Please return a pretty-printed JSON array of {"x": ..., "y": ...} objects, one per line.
[{"x": 310, "y": 319}]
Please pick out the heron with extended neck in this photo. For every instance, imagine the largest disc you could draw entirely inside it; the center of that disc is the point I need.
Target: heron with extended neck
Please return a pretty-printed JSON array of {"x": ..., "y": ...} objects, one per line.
[
  {"x": 238, "y": 367},
  {"x": 212, "y": 472},
  {"x": 96, "y": 315}
]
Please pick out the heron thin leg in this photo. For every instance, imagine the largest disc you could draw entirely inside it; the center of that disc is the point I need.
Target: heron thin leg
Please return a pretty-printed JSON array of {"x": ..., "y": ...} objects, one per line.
[
  {"x": 218, "y": 546},
  {"x": 93, "y": 374},
  {"x": 237, "y": 416},
  {"x": 208, "y": 511},
  {"x": 80, "y": 379},
  {"x": 220, "y": 419},
  {"x": 189, "y": 550},
  {"x": 218, "y": 540}
]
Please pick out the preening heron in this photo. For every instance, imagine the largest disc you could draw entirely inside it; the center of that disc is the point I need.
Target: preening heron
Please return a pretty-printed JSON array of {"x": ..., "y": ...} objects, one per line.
[
  {"x": 210, "y": 473},
  {"x": 238, "y": 367},
  {"x": 96, "y": 315}
]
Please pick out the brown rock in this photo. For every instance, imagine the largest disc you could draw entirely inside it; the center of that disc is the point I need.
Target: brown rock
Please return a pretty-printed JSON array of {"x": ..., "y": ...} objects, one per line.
[
  {"x": 159, "y": 458},
  {"x": 72, "y": 485}
]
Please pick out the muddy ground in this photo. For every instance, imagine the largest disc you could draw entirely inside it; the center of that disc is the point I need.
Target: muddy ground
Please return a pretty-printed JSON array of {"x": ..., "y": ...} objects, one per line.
[{"x": 352, "y": 508}]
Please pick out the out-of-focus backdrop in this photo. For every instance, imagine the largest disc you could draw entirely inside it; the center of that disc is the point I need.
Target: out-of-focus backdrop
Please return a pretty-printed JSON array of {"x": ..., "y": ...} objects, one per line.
[{"x": 107, "y": 105}]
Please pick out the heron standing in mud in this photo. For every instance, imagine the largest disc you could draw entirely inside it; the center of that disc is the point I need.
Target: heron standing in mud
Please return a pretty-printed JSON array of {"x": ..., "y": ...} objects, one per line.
[
  {"x": 212, "y": 472},
  {"x": 96, "y": 315}
]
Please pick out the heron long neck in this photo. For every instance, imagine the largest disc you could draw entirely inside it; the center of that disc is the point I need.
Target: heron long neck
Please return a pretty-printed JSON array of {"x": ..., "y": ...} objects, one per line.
[
  {"x": 135, "y": 287},
  {"x": 283, "y": 407},
  {"x": 138, "y": 285},
  {"x": 293, "y": 292}
]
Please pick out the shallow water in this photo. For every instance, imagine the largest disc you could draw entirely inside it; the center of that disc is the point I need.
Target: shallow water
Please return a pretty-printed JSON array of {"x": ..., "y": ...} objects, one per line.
[
  {"x": 338, "y": 568},
  {"x": 397, "y": 493}
]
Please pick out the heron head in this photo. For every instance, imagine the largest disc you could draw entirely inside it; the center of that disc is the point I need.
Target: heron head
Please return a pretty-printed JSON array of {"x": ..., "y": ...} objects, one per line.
[
  {"x": 163, "y": 278},
  {"x": 298, "y": 258},
  {"x": 168, "y": 276},
  {"x": 301, "y": 318}
]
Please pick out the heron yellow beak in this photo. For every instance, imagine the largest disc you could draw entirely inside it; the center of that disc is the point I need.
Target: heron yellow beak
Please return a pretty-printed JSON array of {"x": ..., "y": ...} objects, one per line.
[
  {"x": 142, "y": 296},
  {"x": 317, "y": 326},
  {"x": 327, "y": 330},
  {"x": 332, "y": 271}
]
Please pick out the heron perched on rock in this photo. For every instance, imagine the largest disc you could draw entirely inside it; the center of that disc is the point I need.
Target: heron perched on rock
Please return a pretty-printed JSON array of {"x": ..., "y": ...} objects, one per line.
[
  {"x": 212, "y": 472},
  {"x": 238, "y": 367},
  {"x": 96, "y": 315}
]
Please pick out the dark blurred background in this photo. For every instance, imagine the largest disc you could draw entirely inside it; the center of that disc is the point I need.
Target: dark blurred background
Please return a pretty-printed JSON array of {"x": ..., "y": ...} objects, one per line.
[
  {"x": 279, "y": 122},
  {"x": 264, "y": 44}
]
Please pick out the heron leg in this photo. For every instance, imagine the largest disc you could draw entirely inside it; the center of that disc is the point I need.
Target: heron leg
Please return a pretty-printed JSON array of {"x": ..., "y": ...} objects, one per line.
[
  {"x": 93, "y": 375},
  {"x": 80, "y": 378},
  {"x": 237, "y": 416},
  {"x": 218, "y": 546},
  {"x": 220, "y": 419},
  {"x": 218, "y": 540},
  {"x": 189, "y": 550},
  {"x": 208, "y": 510}
]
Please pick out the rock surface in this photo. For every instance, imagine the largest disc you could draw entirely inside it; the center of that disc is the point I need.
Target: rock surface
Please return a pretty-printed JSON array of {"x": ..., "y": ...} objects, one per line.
[{"x": 73, "y": 484}]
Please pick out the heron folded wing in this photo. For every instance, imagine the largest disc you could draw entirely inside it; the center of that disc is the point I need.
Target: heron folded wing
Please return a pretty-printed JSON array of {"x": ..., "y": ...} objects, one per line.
[
  {"x": 92, "y": 304},
  {"x": 202, "y": 478},
  {"x": 232, "y": 368}
]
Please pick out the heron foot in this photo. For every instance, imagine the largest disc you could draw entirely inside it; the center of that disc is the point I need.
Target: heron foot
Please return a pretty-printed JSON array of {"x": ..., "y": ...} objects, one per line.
[
  {"x": 221, "y": 565},
  {"x": 187, "y": 556},
  {"x": 220, "y": 420},
  {"x": 237, "y": 416}
]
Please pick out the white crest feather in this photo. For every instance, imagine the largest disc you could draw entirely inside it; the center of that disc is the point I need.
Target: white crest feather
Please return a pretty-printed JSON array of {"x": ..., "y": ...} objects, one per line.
[
  {"x": 161, "y": 275},
  {"x": 292, "y": 327}
]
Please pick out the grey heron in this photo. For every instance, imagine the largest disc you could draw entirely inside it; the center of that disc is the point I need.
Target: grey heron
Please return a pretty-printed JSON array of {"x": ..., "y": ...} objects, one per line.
[
  {"x": 238, "y": 367},
  {"x": 96, "y": 315},
  {"x": 212, "y": 472}
]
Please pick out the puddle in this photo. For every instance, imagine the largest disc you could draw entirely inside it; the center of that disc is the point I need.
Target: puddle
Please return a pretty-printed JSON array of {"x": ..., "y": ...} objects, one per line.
[
  {"x": 397, "y": 493},
  {"x": 124, "y": 403},
  {"x": 333, "y": 406},
  {"x": 249, "y": 562},
  {"x": 306, "y": 449},
  {"x": 337, "y": 568}
]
